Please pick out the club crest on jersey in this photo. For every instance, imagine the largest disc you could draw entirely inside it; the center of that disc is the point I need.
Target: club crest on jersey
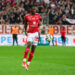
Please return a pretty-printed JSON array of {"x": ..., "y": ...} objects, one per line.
[
  {"x": 33, "y": 18},
  {"x": 34, "y": 23},
  {"x": 36, "y": 17}
]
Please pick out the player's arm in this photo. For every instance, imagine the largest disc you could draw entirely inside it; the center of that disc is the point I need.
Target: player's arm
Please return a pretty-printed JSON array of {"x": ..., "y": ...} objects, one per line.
[
  {"x": 40, "y": 23},
  {"x": 25, "y": 25},
  {"x": 40, "y": 20},
  {"x": 11, "y": 30}
]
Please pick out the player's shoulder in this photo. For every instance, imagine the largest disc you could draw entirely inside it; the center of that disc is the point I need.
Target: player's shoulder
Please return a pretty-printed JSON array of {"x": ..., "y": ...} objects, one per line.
[
  {"x": 37, "y": 14},
  {"x": 27, "y": 15}
]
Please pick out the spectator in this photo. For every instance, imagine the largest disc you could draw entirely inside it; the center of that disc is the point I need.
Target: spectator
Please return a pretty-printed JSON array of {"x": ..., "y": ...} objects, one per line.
[
  {"x": 51, "y": 32},
  {"x": 12, "y": 19},
  {"x": 14, "y": 32},
  {"x": 63, "y": 38},
  {"x": 56, "y": 9}
]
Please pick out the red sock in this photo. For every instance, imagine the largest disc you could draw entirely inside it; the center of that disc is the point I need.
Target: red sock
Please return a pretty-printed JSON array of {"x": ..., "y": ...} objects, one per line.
[
  {"x": 30, "y": 56},
  {"x": 26, "y": 52}
]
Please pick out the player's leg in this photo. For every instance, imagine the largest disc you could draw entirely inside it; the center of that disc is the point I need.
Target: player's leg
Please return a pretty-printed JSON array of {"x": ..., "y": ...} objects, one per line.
[
  {"x": 35, "y": 42},
  {"x": 39, "y": 38},
  {"x": 48, "y": 39},
  {"x": 26, "y": 53},
  {"x": 13, "y": 39},
  {"x": 49, "y": 43},
  {"x": 16, "y": 40},
  {"x": 29, "y": 42},
  {"x": 53, "y": 40},
  {"x": 30, "y": 56},
  {"x": 64, "y": 41},
  {"x": 31, "y": 53}
]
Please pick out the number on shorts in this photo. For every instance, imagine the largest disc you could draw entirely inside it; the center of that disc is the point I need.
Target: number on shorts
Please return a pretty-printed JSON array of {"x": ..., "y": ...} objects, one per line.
[{"x": 36, "y": 38}]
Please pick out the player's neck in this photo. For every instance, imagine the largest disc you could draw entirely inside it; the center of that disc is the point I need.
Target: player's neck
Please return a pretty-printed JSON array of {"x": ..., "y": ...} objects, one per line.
[{"x": 32, "y": 13}]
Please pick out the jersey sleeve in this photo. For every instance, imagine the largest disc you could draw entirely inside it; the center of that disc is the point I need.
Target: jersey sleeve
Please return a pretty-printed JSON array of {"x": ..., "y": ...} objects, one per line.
[
  {"x": 26, "y": 17},
  {"x": 40, "y": 17},
  {"x": 38, "y": 21}
]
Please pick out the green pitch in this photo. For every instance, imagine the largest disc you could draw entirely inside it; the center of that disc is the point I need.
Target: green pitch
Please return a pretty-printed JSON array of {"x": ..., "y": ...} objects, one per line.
[{"x": 47, "y": 61}]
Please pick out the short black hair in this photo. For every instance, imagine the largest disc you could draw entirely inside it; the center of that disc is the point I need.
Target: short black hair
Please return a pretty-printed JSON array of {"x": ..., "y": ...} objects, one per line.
[{"x": 32, "y": 7}]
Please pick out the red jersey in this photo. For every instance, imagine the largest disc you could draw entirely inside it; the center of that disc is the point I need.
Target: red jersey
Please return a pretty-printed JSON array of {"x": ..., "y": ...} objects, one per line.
[
  {"x": 62, "y": 31},
  {"x": 33, "y": 21}
]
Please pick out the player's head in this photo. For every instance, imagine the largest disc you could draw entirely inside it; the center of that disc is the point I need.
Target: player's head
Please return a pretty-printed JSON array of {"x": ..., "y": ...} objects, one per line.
[
  {"x": 51, "y": 26},
  {"x": 15, "y": 26},
  {"x": 33, "y": 10}
]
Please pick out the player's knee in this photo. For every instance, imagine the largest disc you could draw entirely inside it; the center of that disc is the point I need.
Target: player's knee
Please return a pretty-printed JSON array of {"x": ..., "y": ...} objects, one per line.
[
  {"x": 33, "y": 48},
  {"x": 29, "y": 43}
]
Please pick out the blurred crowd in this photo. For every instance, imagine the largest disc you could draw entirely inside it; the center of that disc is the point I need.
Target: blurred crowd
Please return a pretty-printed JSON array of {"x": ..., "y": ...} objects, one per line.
[{"x": 13, "y": 11}]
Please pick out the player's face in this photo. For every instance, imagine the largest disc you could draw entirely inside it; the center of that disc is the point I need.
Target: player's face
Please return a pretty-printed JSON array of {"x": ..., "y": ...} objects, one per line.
[{"x": 33, "y": 10}]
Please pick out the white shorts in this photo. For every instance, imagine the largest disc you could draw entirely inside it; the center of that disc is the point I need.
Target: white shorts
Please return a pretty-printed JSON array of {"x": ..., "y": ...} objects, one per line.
[{"x": 33, "y": 37}]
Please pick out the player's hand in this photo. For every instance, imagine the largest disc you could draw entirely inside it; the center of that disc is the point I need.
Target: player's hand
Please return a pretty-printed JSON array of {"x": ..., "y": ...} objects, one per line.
[{"x": 26, "y": 33}]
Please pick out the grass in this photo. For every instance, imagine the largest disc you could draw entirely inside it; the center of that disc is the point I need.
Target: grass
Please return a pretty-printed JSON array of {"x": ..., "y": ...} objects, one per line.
[{"x": 47, "y": 61}]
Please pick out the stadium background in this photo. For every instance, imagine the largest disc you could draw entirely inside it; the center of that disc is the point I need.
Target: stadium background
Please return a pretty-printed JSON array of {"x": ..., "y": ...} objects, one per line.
[
  {"x": 53, "y": 12},
  {"x": 6, "y": 36}
]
